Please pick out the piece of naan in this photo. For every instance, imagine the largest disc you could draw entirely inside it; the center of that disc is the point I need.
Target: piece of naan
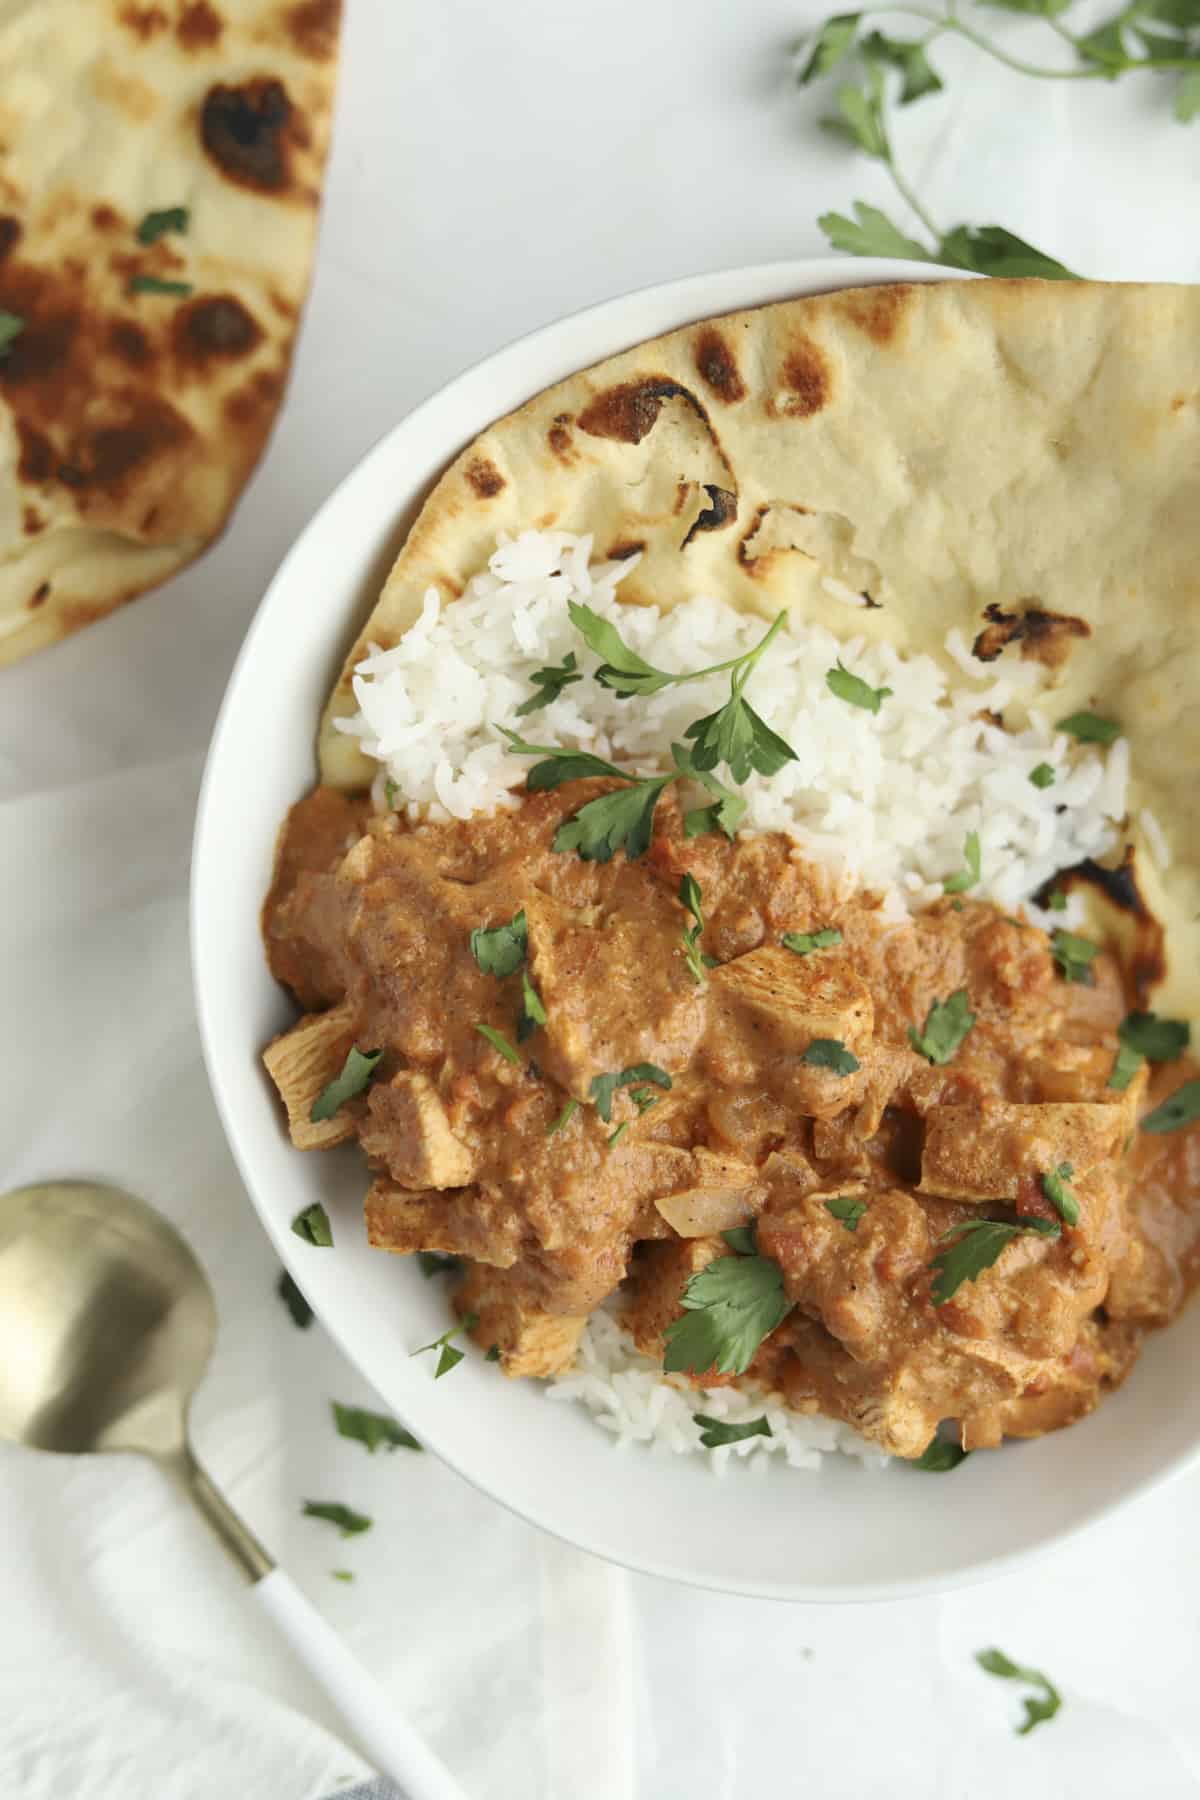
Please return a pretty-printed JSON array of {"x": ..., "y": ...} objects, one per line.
[
  {"x": 140, "y": 374},
  {"x": 1017, "y": 459}
]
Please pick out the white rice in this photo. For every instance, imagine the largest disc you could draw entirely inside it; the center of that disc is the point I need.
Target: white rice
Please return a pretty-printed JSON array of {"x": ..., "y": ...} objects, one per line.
[{"x": 882, "y": 799}]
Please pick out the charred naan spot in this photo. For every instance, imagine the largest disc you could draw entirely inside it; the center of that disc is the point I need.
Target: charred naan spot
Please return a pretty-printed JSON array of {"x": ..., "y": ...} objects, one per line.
[
  {"x": 51, "y": 326},
  {"x": 313, "y": 27},
  {"x": 1044, "y": 637},
  {"x": 624, "y": 548},
  {"x": 36, "y": 460},
  {"x": 559, "y": 438},
  {"x": 875, "y": 311},
  {"x": 200, "y": 26},
  {"x": 721, "y": 508},
  {"x": 144, "y": 21},
  {"x": 215, "y": 325},
  {"x": 245, "y": 129},
  {"x": 745, "y": 549},
  {"x": 105, "y": 218},
  {"x": 247, "y": 406},
  {"x": 130, "y": 343},
  {"x": 717, "y": 366},
  {"x": 630, "y": 410},
  {"x": 39, "y": 596},
  {"x": 1144, "y": 954},
  {"x": 32, "y": 521},
  {"x": 807, "y": 382},
  {"x": 484, "y": 477},
  {"x": 10, "y": 233},
  {"x": 140, "y": 429}
]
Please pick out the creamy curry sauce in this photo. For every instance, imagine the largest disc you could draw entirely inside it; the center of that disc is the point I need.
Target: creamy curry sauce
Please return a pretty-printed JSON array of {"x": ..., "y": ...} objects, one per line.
[{"x": 369, "y": 922}]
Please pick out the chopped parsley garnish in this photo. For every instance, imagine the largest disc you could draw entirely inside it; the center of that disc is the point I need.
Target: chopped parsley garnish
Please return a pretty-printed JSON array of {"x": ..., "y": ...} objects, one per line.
[
  {"x": 550, "y": 683},
  {"x": 293, "y": 1299},
  {"x": 623, "y": 820},
  {"x": 154, "y": 284},
  {"x": 499, "y": 1042},
  {"x": 500, "y": 950},
  {"x": 730, "y": 1306},
  {"x": 978, "y": 1243},
  {"x": 391, "y": 791},
  {"x": 357, "y": 1071},
  {"x": 493, "y": 1354},
  {"x": 618, "y": 1134},
  {"x": 848, "y": 1211},
  {"x": 968, "y": 877},
  {"x": 830, "y": 1053},
  {"x": 11, "y": 327},
  {"x": 157, "y": 224},
  {"x": 1126, "y": 1066},
  {"x": 854, "y": 690},
  {"x": 947, "y": 1023},
  {"x": 690, "y": 897},
  {"x": 1090, "y": 728},
  {"x": 716, "y": 1432},
  {"x": 939, "y": 1457},
  {"x": 342, "y": 1574},
  {"x": 605, "y": 1086},
  {"x": 313, "y": 1226},
  {"x": 1158, "y": 1040},
  {"x": 1042, "y": 776},
  {"x": 803, "y": 943},
  {"x": 450, "y": 1357},
  {"x": 372, "y": 1428},
  {"x": 564, "y": 1118},
  {"x": 432, "y": 1262},
  {"x": 1057, "y": 901},
  {"x": 1038, "y": 1707},
  {"x": 1054, "y": 1186},
  {"x": 1073, "y": 955},
  {"x": 349, "y": 1522},
  {"x": 1178, "y": 1109},
  {"x": 743, "y": 1239},
  {"x": 533, "y": 1013},
  {"x": 737, "y": 736}
]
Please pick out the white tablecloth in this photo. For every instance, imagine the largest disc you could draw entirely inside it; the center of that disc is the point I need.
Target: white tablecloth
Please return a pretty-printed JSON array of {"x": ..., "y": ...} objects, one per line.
[{"x": 495, "y": 167}]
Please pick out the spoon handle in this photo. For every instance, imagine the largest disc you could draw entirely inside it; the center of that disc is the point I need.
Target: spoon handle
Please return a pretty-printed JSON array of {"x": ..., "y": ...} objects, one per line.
[{"x": 376, "y": 1724}]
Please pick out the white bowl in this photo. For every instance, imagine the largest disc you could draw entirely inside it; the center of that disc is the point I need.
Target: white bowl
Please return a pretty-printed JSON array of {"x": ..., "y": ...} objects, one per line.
[{"x": 845, "y": 1533}]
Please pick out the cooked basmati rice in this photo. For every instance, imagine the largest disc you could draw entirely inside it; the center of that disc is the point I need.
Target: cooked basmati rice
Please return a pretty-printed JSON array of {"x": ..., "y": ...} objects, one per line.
[{"x": 883, "y": 799}]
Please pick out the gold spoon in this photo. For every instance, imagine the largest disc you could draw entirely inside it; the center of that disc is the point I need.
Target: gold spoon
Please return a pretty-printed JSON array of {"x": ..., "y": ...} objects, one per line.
[{"x": 107, "y": 1323}]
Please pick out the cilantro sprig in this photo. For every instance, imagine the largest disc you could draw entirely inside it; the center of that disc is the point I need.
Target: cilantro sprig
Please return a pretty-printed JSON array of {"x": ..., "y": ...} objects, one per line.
[
  {"x": 730, "y": 1307},
  {"x": 977, "y": 1245}
]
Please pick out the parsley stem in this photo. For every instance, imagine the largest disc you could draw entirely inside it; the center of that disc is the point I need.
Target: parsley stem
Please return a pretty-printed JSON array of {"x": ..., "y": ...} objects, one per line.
[
  {"x": 950, "y": 21},
  {"x": 743, "y": 663}
]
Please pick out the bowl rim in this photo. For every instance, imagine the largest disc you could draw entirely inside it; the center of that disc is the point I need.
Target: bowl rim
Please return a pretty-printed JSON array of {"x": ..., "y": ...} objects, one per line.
[{"x": 680, "y": 301}]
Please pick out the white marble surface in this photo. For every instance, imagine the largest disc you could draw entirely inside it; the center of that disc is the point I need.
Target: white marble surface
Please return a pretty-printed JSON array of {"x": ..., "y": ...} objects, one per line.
[{"x": 494, "y": 168}]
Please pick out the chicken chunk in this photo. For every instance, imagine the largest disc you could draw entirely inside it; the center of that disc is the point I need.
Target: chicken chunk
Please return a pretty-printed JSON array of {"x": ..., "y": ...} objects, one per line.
[
  {"x": 982, "y": 1153},
  {"x": 769, "y": 1009},
  {"x": 408, "y": 1131},
  {"x": 530, "y": 1341},
  {"x": 302, "y": 1062},
  {"x": 456, "y": 1222}
]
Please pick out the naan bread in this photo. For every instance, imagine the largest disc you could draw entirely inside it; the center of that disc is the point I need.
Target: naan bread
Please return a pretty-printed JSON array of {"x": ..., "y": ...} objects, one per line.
[
  {"x": 129, "y": 422},
  {"x": 1017, "y": 459}
]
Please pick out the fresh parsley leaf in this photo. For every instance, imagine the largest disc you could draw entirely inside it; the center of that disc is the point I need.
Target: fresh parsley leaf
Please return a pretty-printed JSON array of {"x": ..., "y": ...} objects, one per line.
[
  {"x": 870, "y": 233},
  {"x": 1038, "y": 1707},
  {"x": 968, "y": 877},
  {"x": 1159, "y": 1040},
  {"x": 990, "y": 250},
  {"x": 153, "y": 284},
  {"x": 920, "y": 77},
  {"x": 728, "y": 809},
  {"x": 623, "y": 820},
  {"x": 803, "y": 943},
  {"x": 854, "y": 690},
  {"x": 1125, "y": 1067},
  {"x": 1042, "y": 776},
  {"x": 349, "y": 1522},
  {"x": 940, "y": 1456},
  {"x": 690, "y": 897},
  {"x": 730, "y": 1306},
  {"x": 1178, "y": 1109},
  {"x": 293, "y": 1299},
  {"x": 737, "y": 736},
  {"x": 342, "y": 1574},
  {"x": 860, "y": 115},
  {"x": 450, "y": 1357},
  {"x": 946, "y": 1025},
  {"x": 11, "y": 327},
  {"x": 372, "y": 1428},
  {"x": 1054, "y": 1186},
  {"x": 313, "y": 1226},
  {"x": 623, "y": 670},
  {"x": 1057, "y": 901},
  {"x": 978, "y": 1243},
  {"x": 1090, "y": 728},
  {"x": 830, "y": 1053},
  {"x": 391, "y": 792},
  {"x": 833, "y": 41},
  {"x": 1073, "y": 955},
  {"x": 500, "y": 1043},
  {"x": 848, "y": 1211},
  {"x": 493, "y": 1354},
  {"x": 533, "y": 1013},
  {"x": 1187, "y": 96},
  {"x": 549, "y": 684},
  {"x": 605, "y": 1086},
  {"x": 1049, "y": 9},
  {"x": 560, "y": 765},
  {"x": 157, "y": 224},
  {"x": 716, "y": 1432},
  {"x": 501, "y": 949},
  {"x": 1106, "y": 46},
  {"x": 357, "y": 1071},
  {"x": 432, "y": 1262},
  {"x": 564, "y": 1118}
]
